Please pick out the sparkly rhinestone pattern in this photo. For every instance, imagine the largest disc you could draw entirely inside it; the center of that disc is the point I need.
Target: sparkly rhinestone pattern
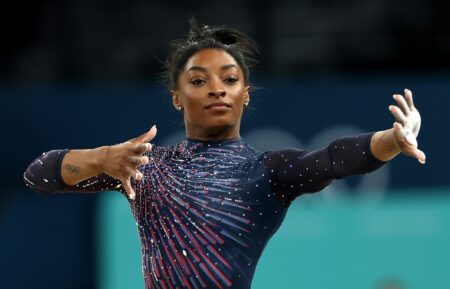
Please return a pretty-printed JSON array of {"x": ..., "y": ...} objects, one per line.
[{"x": 205, "y": 210}]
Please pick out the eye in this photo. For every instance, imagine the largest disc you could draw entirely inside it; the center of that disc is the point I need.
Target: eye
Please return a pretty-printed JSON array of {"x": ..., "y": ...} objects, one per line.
[
  {"x": 197, "y": 81},
  {"x": 232, "y": 79}
]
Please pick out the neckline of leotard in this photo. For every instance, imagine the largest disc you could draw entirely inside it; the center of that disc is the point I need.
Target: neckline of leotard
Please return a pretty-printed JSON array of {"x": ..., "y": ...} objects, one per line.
[{"x": 189, "y": 142}]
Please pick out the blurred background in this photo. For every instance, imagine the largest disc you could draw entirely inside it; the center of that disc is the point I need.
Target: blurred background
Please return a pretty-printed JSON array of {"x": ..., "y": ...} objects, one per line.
[{"x": 81, "y": 74}]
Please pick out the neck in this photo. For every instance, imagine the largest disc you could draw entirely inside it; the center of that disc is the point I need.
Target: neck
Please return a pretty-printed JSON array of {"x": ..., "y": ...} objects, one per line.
[{"x": 224, "y": 133}]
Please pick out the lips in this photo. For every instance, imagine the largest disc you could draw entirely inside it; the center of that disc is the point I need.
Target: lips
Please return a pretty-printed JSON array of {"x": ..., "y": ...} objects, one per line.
[{"x": 218, "y": 105}]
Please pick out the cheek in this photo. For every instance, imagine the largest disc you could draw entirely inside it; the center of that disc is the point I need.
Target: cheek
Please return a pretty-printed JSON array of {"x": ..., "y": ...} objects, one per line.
[
  {"x": 193, "y": 106},
  {"x": 239, "y": 95},
  {"x": 238, "y": 103}
]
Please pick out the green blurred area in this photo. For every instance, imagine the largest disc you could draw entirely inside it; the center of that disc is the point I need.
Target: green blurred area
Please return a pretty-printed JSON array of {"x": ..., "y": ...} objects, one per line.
[{"x": 347, "y": 244}]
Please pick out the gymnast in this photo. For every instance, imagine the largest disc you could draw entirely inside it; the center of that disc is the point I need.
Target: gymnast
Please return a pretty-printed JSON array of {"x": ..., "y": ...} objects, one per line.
[{"x": 206, "y": 208}]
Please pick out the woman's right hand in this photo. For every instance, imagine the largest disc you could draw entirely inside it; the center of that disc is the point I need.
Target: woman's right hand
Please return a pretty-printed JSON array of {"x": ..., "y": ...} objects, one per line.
[{"x": 120, "y": 161}]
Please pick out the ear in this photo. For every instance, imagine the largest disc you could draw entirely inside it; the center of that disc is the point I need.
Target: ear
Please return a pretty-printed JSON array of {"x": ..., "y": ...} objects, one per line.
[
  {"x": 175, "y": 98},
  {"x": 246, "y": 94}
]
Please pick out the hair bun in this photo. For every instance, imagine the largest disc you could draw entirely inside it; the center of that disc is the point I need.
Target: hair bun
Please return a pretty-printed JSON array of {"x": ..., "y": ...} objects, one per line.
[
  {"x": 241, "y": 47},
  {"x": 226, "y": 37},
  {"x": 205, "y": 33}
]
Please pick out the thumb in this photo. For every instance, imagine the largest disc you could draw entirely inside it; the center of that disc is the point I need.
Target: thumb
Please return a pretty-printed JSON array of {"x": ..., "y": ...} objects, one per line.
[
  {"x": 145, "y": 137},
  {"x": 422, "y": 157},
  {"x": 129, "y": 189},
  {"x": 417, "y": 154}
]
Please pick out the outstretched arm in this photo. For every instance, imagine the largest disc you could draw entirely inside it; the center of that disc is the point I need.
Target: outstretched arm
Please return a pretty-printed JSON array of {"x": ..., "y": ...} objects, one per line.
[
  {"x": 90, "y": 170},
  {"x": 385, "y": 145},
  {"x": 294, "y": 172}
]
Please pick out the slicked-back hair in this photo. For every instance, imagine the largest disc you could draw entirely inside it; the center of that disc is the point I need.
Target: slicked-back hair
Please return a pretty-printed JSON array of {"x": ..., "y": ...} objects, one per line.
[{"x": 241, "y": 47}]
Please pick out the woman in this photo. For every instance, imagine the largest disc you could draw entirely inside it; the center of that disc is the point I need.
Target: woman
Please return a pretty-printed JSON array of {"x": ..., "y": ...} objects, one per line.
[{"x": 206, "y": 208}]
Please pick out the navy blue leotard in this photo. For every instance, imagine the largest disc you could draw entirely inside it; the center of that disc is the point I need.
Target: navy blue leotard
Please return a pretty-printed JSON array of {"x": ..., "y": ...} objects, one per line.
[{"x": 206, "y": 210}]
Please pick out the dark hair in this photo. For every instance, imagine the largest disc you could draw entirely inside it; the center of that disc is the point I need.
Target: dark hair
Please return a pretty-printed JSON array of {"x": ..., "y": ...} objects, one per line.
[{"x": 241, "y": 47}]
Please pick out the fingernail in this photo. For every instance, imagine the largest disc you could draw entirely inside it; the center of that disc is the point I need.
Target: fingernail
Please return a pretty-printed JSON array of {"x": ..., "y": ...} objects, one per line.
[
  {"x": 132, "y": 196},
  {"x": 422, "y": 162}
]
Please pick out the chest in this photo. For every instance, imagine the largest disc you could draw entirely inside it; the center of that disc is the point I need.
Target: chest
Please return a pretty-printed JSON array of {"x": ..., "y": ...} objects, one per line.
[
  {"x": 214, "y": 212},
  {"x": 216, "y": 186}
]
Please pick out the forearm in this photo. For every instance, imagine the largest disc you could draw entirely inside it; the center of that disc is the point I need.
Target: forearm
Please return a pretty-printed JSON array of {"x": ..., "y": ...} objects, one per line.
[
  {"x": 59, "y": 170},
  {"x": 384, "y": 145},
  {"x": 82, "y": 164},
  {"x": 90, "y": 170},
  {"x": 295, "y": 172}
]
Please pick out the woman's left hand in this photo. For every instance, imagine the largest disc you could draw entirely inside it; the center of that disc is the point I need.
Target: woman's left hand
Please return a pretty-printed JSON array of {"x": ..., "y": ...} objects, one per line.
[{"x": 407, "y": 125}]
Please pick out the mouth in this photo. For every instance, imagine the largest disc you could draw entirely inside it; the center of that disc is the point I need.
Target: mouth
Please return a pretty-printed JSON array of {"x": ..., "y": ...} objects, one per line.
[{"x": 218, "y": 106}]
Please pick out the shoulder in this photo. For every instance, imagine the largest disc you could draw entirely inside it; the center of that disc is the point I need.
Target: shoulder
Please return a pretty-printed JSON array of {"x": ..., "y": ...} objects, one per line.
[{"x": 285, "y": 153}]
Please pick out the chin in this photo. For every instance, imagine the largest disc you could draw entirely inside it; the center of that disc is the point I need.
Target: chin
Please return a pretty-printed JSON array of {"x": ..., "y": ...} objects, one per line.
[{"x": 220, "y": 121}]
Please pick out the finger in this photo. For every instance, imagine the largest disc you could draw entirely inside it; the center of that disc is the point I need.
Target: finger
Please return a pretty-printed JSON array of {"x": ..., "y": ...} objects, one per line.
[
  {"x": 139, "y": 176},
  {"x": 399, "y": 133},
  {"x": 402, "y": 104},
  {"x": 398, "y": 114},
  {"x": 141, "y": 148},
  {"x": 145, "y": 137},
  {"x": 409, "y": 99},
  {"x": 405, "y": 135},
  {"x": 399, "y": 129},
  {"x": 410, "y": 146},
  {"x": 420, "y": 156},
  {"x": 139, "y": 160},
  {"x": 136, "y": 176},
  {"x": 417, "y": 154},
  {"x": 129, "y": 189}
]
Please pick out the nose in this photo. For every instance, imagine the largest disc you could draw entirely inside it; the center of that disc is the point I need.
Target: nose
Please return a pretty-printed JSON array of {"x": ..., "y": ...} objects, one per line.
[
  {"x": 217, "y": 93},
  {"x": 216, "y": 89}
]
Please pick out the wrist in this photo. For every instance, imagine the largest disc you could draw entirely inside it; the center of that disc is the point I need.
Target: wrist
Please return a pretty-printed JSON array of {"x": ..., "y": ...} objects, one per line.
[
  {"x": 99, "y": 158},
  {"x": 384, "y": 145},
  {"x": 391, "y": 141}
]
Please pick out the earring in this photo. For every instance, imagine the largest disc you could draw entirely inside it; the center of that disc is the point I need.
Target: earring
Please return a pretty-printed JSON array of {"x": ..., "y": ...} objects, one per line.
[
  {"x": 179, "y": 108},
  {"x": 247, "y": 101}
]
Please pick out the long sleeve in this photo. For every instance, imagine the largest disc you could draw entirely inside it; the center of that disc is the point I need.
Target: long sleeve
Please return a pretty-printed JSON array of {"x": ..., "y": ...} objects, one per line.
[
  {"x": 293, "y": 172},
  {"x": 44, "y": 175}
]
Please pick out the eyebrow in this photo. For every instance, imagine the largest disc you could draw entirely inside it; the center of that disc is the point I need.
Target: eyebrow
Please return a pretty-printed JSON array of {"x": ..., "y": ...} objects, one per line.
[{"x": 201, "y": 68}]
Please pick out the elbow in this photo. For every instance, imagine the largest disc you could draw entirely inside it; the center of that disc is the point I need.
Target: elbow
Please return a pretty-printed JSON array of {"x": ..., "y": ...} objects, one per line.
[
  {"x": 36, "y": 184},
  {"x": 30, "y": 183},
  {"x": 320, "y": 186},
  {"x": 44, "y": 173}
]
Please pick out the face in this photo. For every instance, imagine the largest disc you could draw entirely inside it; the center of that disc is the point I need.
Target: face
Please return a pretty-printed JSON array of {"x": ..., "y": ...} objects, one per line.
[{"x": 212, "y": 94}]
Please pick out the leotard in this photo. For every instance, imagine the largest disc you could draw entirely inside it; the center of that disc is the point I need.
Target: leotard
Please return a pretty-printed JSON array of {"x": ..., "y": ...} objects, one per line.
[{"x": 205, "y": 210}]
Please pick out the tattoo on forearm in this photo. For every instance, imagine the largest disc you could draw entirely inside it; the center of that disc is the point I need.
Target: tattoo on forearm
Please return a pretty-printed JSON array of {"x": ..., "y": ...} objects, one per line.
[{"x": 72, "y": 169}]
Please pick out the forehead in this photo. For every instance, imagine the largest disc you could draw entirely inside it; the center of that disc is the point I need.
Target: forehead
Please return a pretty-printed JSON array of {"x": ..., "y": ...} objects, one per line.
[{"x": 210, "y": 58}]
